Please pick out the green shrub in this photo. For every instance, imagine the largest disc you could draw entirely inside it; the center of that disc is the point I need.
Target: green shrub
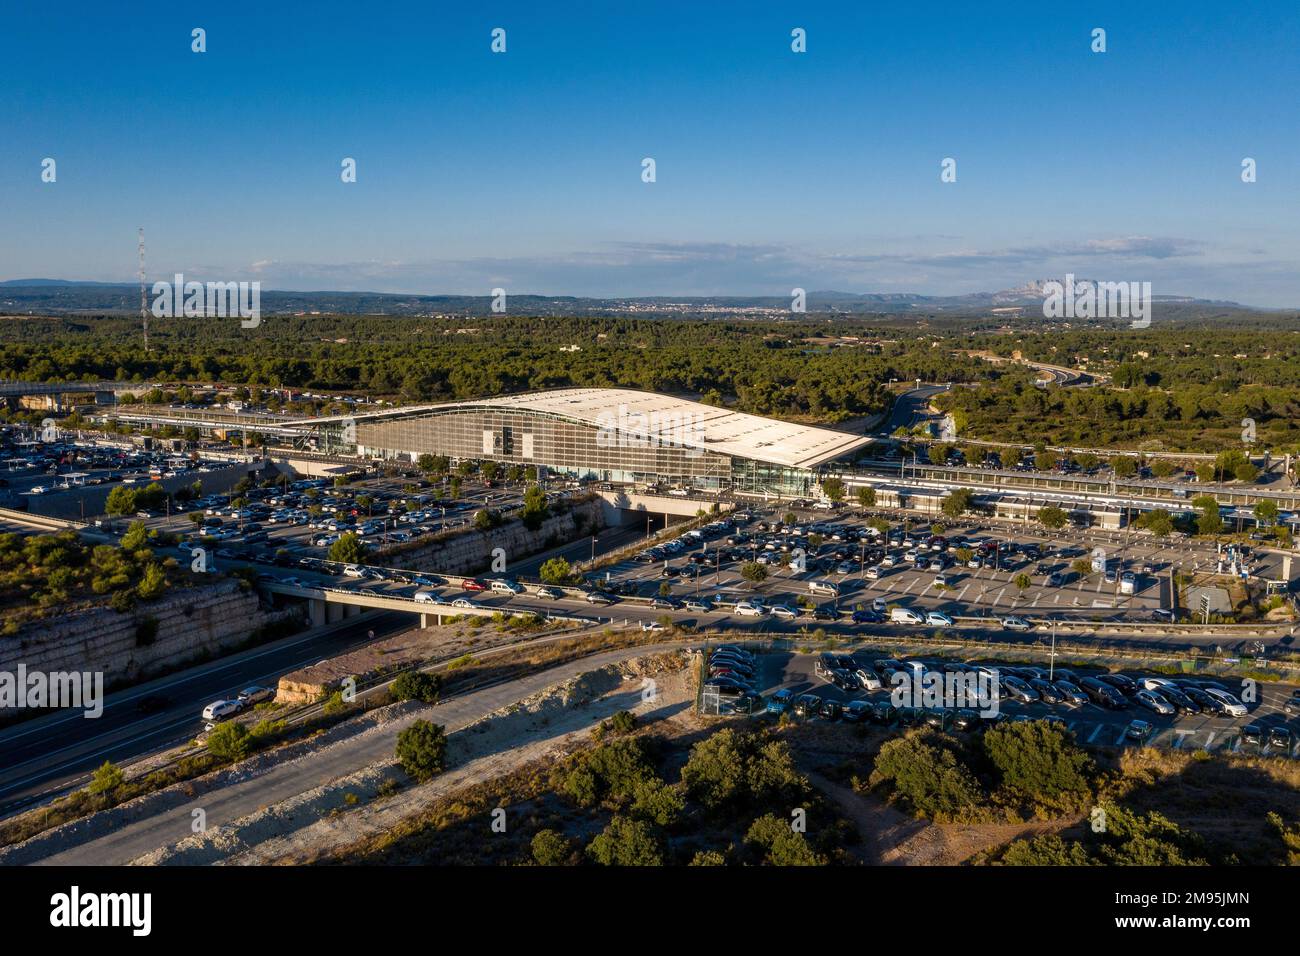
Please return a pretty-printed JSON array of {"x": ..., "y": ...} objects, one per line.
[{"x": 422, "y": 750}]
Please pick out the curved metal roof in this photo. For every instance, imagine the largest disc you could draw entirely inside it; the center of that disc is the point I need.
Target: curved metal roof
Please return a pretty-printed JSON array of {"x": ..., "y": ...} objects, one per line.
[{"x": 694, "y": 424}]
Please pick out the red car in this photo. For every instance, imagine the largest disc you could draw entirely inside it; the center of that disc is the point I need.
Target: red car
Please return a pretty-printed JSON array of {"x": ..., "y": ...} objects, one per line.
[{"x": 473, "y": 584}]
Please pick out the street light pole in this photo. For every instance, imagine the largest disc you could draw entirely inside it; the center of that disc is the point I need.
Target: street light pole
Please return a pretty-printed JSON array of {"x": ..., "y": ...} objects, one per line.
[{"x": 1051, "y": 660}]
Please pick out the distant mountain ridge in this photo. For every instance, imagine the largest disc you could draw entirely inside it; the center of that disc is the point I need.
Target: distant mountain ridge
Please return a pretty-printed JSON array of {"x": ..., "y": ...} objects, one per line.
[{"x": 64, "y": 296}]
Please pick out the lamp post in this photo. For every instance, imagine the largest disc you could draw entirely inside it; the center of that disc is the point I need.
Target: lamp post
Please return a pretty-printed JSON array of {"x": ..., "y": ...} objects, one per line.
[{"x": 1051, "y": 659}]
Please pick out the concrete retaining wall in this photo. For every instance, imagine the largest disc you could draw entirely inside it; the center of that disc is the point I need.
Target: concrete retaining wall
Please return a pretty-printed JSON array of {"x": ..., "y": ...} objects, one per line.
[{"x": 191, "y": 622}]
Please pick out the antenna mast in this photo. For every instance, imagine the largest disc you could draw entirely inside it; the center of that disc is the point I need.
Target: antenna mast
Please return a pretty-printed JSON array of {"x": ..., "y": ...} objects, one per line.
[{"x": 144, "y": 312}]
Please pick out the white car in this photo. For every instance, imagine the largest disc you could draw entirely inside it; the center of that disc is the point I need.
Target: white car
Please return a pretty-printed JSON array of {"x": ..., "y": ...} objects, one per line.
[
  {"x": 651, "y": 626},
  {"x": 869, "y": 679},
  {"x": 464, "y": 603},
  {"x": 428, "y": 597},
  {"x": 221, "y": 709},
  {"x": 1234, "y": 707},
  {"x": 940, "y": 581},
  {"x": 1156, "y": 683},
  {"x": 785, "y": 613},
  {"x": 353, "y": 571},
  {"x": 749, "y": 609},
  {"x": 1016, "y": 624},
  {"x": 938, "y": 619}
]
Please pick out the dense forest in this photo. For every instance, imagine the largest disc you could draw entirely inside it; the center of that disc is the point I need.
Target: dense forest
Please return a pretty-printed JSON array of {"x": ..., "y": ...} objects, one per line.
[
  {"x": 765, "y": 368},
  {"x": 1180, "y": 386}
]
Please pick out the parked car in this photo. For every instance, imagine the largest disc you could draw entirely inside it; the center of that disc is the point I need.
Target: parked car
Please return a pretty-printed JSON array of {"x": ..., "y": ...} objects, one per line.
[
  {"x": 1280, "y": 738},
  {"x": 1180, "y": 701},
  {"x": 1138, "y": 730},
  {"x": 1070, "y": 694},
  {"x": 1013, "y": 623},
  {"x": 1204, "y": 701},
  {"x": 830, "y": 710},
  {"x": 857, "y": 711},
  {"x": 780, "y": 702},
  {"x": 255, "y": 695},
  {"x": 805, "y": 705},
  {"x": 1017, "y": 689},
  {"x": 1231, "y": 705},
  {"x": 222, "y": 709},
  {"x": 1102, "y": 693},
  {"x": 1125, "y": 685},
  {"x": 1047, "y": 691},
  {"x": 868, "y": 679},
  {"x": 1153, "y": 702}
]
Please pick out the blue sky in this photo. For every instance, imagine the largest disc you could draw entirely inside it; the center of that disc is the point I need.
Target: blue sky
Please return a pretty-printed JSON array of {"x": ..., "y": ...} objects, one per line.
[{"x": 774, "y": 169}]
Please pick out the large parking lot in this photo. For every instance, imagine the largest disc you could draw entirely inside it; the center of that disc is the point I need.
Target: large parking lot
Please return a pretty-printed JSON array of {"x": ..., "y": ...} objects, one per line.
[
  {"x": 1089, "y": 722},
  {"x": 968, "y": 570}
]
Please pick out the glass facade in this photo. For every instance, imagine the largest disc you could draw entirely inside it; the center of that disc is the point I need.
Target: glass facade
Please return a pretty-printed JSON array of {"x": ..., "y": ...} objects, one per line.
[{"x": 562, "y": 446}]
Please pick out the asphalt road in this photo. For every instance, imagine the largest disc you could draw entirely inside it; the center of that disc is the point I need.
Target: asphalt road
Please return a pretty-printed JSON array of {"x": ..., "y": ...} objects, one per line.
[{"x": 910, "y": 408}]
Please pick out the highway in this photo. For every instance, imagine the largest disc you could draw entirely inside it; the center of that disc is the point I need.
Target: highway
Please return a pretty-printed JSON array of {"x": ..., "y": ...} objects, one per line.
[
  {"x": 243, "y": 795},
  {"x": 51, "y": 752},
  {"x": 910, "y": 409}
]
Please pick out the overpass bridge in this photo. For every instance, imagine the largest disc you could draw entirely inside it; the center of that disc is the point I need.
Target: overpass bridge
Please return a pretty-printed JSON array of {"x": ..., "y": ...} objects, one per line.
[{"x": 327, "y": 605}]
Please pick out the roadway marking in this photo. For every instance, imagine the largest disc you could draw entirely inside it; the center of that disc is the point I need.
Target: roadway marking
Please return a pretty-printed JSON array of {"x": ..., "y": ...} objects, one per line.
[{"x": 1100, "y": 728}]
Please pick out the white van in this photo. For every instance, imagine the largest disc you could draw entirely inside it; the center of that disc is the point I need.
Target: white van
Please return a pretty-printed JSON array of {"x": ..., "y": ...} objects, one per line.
[
  {"x": 823, "y": 587},
  {"x": 507, "y": 587},
  {"x": 428, "y": 597},
  {"x": 221, "y": 709},
  {"x": 903, "y": 615}
]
